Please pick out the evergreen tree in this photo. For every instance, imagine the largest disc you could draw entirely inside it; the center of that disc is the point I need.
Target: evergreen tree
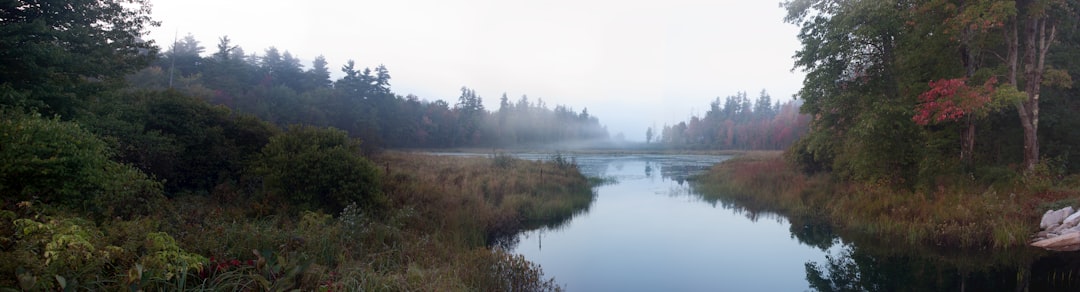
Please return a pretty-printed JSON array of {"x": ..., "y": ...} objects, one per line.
[{"x": 57, "y": 54}]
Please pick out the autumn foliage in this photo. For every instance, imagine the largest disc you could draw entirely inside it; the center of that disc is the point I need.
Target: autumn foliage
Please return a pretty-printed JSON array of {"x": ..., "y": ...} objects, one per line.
[
  {"x": 952, "y": 99},
  {"x": 741, "y": 124}
]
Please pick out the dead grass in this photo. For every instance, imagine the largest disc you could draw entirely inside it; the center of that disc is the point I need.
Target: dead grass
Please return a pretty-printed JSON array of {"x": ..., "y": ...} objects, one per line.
[
  {"x": 962, "y": 215},
  {"x": 434, "y": 236}
]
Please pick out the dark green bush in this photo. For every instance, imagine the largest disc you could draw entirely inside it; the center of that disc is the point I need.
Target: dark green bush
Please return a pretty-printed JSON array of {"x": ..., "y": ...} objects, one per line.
[
  {"x": 188, "y": 143},
  {"x": 52, "y": 161},
  {"x": 319, "y": 169}
]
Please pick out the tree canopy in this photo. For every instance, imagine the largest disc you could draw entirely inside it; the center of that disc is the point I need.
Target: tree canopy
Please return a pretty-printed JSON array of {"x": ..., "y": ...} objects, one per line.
[
  {"x": 901, "y": 91},
  {"x": 58, "y": 53}
]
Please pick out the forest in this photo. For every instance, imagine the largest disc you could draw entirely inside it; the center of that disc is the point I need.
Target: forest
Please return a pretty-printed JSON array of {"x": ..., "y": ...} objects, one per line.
[
  {"x": 935, "y": 123},
  {"x": 126, "y": 164},
  {"x": 124, "y": 167},
  {"x": 906, "y": 92},
  {"x": 276, "y": 87},
  {"x": 737, "y": 124}
]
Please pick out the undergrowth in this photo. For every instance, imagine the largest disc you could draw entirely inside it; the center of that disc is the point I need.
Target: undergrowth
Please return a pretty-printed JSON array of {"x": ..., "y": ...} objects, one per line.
[
  {"x": 435, "y": 235},
  {"x": 950, "y": 214}
]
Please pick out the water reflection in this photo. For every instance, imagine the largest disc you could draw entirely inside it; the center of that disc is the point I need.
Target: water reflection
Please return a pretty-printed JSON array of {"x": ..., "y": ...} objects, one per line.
[
  {"x": 859, "y": 262},
  {"x": 871, "y": 264},
  {"x": 651, "y": 229}
]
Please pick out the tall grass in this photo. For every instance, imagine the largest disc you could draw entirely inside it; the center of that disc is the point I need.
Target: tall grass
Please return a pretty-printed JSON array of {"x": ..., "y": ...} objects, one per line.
[
  {"x": 436, "y": 235},
  {"x": 952, "y": 214}
]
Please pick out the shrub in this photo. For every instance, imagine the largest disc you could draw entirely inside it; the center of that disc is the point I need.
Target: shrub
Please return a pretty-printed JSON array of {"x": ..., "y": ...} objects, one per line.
[
  {"x": 49, "y": 159},
  {"x": 59, "y": 162},
  {"x": 190, "y": 144},
  {"x": 319, "y": 168},
  {"x": 70, "y": 253}
]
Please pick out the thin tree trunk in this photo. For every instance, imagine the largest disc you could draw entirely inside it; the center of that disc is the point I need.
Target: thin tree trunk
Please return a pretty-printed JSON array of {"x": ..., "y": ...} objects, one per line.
[
  {"x": 967, "y": 142},
  {"x": 1036, "y": 46},
  {"x": 967, "y": 146},
  {"x": 1037, "y": 40}
]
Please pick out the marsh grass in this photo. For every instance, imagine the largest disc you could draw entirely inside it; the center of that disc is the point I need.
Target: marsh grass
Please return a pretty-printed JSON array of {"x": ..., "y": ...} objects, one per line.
[
  {"x": 953, "y": 213},
  {"x": 435, "y": 235}
]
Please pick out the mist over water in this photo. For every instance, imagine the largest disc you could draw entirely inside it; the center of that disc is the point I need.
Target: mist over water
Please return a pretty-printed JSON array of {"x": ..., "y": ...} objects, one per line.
[{"x": 649, "y": 231}]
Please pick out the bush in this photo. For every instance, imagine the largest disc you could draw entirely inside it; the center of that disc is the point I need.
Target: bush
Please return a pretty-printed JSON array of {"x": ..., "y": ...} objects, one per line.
[
  {"x": 320, "y": 169},
  {"x": 59, "y": 252},
  {"x": 808, "y": 156},
  {"x": 191, "y": 145},
  {"x": 52, "y": 161}
]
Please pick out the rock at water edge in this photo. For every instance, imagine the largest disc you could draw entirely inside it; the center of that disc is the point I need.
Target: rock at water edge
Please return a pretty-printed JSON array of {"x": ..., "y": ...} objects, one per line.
[
  {"x": 1060, "y": 243},
  {"x": 1072, "y": 220},
  {"x": 1052, "y": 218}
]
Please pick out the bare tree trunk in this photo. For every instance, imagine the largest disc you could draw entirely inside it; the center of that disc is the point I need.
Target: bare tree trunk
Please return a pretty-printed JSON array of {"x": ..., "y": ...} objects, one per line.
[
  {"x": 1036, "y": 45},
  {"x": 967, "y": 135},
  {"x": 1036, "y": 48},
  {"x": 967, "y": 146}
]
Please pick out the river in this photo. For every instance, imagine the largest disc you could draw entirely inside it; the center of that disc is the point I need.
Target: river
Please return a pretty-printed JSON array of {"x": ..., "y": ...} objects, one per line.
[{"x": 650, "y": 230}]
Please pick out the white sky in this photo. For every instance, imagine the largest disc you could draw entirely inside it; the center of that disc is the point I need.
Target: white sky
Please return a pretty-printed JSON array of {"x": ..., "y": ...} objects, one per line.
[{"x": 633, "y": 64}]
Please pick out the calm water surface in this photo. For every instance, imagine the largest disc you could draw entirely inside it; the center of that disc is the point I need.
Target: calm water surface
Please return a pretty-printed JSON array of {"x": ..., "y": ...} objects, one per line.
[{"x": 649, "y": 231}]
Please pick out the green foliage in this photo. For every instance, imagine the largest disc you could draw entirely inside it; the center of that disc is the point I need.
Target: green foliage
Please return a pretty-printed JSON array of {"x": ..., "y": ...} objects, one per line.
[
  {"x": 1046, "y": 175},
  {"x": 812, "y": 153},
  {"x": 319, "y": 168},
  {"x": 59, "y": 162},
  {"x": 127, "y": 192},
  {"x": 189, "y": 144},
  {"x": 165, "y": 256},
  {"x": 883, "y": 146},
  {"x": 69, "y": 253},
  {"x": 866, "y": 61},
  {"x": 1006, "y": 95},
  {"x": 57, "y": 247},
  {"x": 61, "y": 52},
  {"x": 996, "y": 176},
  {"x": 49, "y": 159},
  {"x": 275, "y": 88}
]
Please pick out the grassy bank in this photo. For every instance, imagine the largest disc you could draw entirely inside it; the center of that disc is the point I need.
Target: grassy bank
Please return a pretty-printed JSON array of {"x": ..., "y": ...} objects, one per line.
[
  {"x": 957, "y": 212},
  {"x": 434, "y": 235}
]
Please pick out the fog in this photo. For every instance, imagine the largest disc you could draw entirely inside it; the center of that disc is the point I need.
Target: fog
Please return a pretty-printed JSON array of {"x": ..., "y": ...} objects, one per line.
[{"x": 633, "y": 65}]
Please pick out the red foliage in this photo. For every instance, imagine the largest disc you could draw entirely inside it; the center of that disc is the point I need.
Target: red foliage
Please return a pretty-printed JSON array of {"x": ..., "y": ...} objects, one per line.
[
  {"x": 952, "y": 99},
  {"x": 218, "y": 266}
]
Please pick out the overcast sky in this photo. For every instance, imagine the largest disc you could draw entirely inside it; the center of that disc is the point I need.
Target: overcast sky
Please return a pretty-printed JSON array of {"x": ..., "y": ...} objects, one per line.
[{"x": 633, "y": 64}]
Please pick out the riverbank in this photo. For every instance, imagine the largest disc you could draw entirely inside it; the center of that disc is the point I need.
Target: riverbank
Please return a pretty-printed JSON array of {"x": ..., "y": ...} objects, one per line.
[
  {"x": 954, "y": 214},
  {"x": 435, "y": 234}
]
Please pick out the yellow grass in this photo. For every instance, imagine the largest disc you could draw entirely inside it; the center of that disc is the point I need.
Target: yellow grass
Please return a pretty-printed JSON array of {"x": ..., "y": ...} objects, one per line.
[{"x": 957, "y": 215}]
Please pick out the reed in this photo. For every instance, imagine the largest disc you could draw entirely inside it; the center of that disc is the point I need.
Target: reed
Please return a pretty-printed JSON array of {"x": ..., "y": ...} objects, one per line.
[{"x": 951, "y": 214}]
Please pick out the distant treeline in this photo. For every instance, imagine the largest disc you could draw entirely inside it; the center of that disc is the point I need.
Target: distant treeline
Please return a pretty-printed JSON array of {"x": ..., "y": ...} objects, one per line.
[
  {"x": 738, "y": 124},
  {"x": 274, "y": 86}
]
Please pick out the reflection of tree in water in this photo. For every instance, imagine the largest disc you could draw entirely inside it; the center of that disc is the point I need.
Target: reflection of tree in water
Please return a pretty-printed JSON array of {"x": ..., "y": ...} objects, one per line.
[
  {"x": 881, "y": 266},
  {"x": 814, "y": 232},
  {"x": 509, "y": 240},
  {"x": 854, "y": 269},
  {"x": 751, "y": 211},
  {"x": 677, "y": 172},
  {"x": 874, "y": 263}
]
